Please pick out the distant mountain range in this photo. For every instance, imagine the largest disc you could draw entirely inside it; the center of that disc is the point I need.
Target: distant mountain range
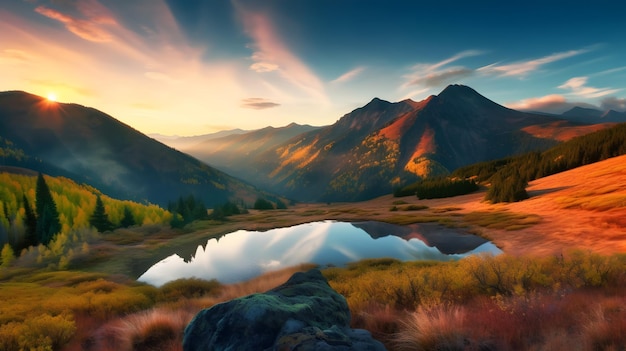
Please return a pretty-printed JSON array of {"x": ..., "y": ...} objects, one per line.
[
  {"x": 366, "y": 153},
  {"x": 382, "y": 145},
  {"x": 590, "y": 115},
  {"x": 91, "y": 147}
]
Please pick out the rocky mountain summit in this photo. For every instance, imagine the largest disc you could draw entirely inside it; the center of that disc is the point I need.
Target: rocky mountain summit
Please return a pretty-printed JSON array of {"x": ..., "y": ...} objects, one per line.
[{"x": 305, "y": 313}]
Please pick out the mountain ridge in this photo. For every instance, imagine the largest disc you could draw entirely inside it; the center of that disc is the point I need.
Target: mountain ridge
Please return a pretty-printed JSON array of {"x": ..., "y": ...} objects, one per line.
[
  {"x": 108, "y": 154},
  {"x": 374, "y": 148}
]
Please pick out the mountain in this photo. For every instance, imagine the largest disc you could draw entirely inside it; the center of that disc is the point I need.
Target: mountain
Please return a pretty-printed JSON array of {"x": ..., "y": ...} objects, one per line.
[
  {"x": 233, "y": 153},
  {"x": 591, "y": 115},
  {"x": 92, "y": 147},
  {"x": 184, "y": 142},
  {"x": 375, "y": 148}
]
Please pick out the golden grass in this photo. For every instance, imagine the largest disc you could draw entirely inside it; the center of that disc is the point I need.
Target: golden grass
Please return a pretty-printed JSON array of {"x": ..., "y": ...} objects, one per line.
[{"x": 502, "y": 219}]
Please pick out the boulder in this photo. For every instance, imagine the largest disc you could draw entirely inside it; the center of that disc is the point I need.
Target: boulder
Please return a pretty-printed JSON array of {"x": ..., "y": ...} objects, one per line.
[{"x": 305, "y": 313}]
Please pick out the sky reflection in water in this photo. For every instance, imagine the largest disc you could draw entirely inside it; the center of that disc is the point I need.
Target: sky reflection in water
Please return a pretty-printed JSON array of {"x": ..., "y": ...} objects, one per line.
[{"x": 245, "y": 254}]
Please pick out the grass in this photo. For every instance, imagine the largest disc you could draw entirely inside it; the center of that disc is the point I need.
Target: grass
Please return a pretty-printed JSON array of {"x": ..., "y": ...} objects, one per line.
[
  {"x": 504, "y": 220},
  {"x": 504, "y": 303}
]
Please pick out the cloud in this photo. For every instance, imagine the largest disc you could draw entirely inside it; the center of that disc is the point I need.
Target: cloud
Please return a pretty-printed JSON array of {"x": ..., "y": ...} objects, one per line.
[
  {"x": 90, "y": 27},
  {"x": 432, "y": 75},
  {"x": 553, "y": 103},
  {"x": 258, "y": 103},
  {"x": 14, "y": 55},
  {"x": 578, "y": 87},
  {"x": 349, "y": 75},
  {"x": 443, "y": 77},
  {"x": 613, "y": 103},
  {"x": 523, "y": 68},
  {"x": 262, "y": 67},
  {"x": 272, "y": 55}
]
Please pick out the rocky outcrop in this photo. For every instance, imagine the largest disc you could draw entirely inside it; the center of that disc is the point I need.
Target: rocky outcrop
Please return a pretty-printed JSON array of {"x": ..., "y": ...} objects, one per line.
[{"x": 305, "y": 313}]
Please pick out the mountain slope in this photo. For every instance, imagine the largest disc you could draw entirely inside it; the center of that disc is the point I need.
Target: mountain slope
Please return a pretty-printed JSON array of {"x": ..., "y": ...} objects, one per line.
[
  {"x": 108, "y": 154},
  {"x": 231, "y": 153},
  {"x": 373, "y": 149}
]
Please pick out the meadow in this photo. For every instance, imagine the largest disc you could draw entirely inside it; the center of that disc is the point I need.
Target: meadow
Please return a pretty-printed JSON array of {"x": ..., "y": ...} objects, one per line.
[{"x": 560, "y": 285}]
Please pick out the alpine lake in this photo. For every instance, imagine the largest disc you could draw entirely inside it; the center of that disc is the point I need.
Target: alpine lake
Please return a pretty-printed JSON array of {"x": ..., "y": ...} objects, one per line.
[{"x": 242, "y": 255}]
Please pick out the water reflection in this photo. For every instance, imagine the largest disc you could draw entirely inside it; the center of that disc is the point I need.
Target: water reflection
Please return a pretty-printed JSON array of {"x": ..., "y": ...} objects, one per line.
[{"x": 245, "y": 254}]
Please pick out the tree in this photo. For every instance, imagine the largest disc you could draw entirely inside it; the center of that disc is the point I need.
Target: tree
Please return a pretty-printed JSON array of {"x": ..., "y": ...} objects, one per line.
[
  {"x": 262, "y": 204},
  {"x": 128, "y": 220},
  {"x": 30, "y": 221},
  {"x": 507, "y": 185},
  {"x": 48, "y": 224},
  {"x": 6, "y": 256},
  {"x": 99, "y": 219}
]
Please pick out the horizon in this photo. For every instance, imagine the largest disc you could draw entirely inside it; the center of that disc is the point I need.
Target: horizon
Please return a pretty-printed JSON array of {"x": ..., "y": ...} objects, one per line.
[{"x": 196, "y": 68}]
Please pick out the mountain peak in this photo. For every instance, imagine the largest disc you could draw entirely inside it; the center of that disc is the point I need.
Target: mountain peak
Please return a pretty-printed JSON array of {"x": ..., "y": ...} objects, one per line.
[
  {"x": 578, "y": 111},
  {"x": 456, "y": 90}
]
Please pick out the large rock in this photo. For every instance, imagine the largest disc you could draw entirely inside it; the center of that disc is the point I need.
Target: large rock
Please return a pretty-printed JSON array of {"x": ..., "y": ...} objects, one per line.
[{"x": 305, "y": 313}]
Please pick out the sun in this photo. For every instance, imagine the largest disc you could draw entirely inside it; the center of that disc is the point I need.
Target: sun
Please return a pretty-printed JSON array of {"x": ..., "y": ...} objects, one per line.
[{"x": 52, "y": 97}]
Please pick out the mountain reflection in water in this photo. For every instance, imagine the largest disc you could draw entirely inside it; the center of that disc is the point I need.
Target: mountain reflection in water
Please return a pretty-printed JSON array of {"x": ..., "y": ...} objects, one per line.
[{"x": 244, "y": 254}]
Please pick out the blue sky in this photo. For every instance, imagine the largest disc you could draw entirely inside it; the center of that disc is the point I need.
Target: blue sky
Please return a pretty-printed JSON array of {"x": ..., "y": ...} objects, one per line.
[{"x": 193, "y": 67}]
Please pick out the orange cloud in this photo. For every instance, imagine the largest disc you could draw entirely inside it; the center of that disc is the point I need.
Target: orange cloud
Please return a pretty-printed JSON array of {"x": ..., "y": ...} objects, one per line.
[
  {"x": 578, "y": 86},
  {"x": 89, "y": 28},
  {"x": 272, "y": 55},
  {"x": 553, "y": 103},
  {"x": 349, "y": 75}
]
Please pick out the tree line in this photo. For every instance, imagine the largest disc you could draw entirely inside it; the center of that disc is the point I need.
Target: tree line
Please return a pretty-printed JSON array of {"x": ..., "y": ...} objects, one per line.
[
  {"x": 436, "y": 188},
  {"x": 34, "y": 210},
  {"x": 509, "y": 177}
]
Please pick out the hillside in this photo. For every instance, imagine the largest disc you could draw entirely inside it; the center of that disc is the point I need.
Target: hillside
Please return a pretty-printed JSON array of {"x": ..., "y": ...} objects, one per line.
[
  {"x": 234, "y": 151},
  {"x": 382, "y": 145},
  {"x": 90, "y": 146},
  {"x": 581, "y": 208}
]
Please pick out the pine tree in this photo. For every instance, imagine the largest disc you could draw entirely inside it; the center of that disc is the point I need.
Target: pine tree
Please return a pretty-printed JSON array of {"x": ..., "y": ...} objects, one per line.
[
  {"x": 48, "y": 224},
  {"x": 128, "y": 220},
  {"x": 99, "y": 219},
  {"x": 30, "y": 222}
]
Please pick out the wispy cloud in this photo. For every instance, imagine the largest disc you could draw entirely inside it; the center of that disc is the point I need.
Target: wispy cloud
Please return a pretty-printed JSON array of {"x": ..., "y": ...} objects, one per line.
[
  {"x": 434, "y": 75},
  {"x": 258, "y": 103},
  {"x": 351, "y": 74},
  {"x": 554, "y": 103},
  {"x": 614, "y": 103},
  {"x": 523, "y": 68},
  {"x": 578, "y": 86},
  {"x": 92, "y": 25},
  {"x": 272, "y": 55}
]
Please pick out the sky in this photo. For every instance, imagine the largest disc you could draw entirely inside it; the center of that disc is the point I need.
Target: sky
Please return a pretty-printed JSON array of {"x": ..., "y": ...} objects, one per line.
[{"x": 191, "y": 67}]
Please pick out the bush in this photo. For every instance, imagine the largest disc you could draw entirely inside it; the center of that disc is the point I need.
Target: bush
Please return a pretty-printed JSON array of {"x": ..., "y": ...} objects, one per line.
[{"x": 188, "y": 288}]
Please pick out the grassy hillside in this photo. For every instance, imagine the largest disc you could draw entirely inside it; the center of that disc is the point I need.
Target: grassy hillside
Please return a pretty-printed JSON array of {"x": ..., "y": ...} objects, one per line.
[{"x": 92, "y": 147}]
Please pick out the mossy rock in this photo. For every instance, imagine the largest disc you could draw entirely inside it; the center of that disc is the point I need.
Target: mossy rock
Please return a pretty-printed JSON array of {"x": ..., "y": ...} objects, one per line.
[{"x": 259, "y": 321}]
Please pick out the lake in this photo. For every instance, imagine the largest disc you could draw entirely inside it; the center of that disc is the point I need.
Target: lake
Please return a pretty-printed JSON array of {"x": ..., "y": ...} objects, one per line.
[{"x": 242, "y": 255}]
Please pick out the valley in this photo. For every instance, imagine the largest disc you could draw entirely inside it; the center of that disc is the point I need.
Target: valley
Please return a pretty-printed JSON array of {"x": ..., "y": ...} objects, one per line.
[{"x": 567, "y": 237}]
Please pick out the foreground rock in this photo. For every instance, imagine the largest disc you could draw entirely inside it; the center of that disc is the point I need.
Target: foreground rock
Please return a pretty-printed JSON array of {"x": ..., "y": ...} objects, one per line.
[{"x": 305, "y": 313}]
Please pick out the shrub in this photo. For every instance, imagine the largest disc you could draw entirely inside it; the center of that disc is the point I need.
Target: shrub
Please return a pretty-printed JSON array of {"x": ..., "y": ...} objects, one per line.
[
  {"x": 188, "y": 288},
  {"x": 433, "y": 328}
]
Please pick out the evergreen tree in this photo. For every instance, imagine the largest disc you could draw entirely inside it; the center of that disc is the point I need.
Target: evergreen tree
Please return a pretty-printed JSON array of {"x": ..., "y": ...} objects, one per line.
[
  {"x": 48, "y": 224},
  {"x": 128, "y": 220},
  {"x": 30, "y": 222},
  {"x": 262, "y": 204},
  {"x": 99, "y": 219}
]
